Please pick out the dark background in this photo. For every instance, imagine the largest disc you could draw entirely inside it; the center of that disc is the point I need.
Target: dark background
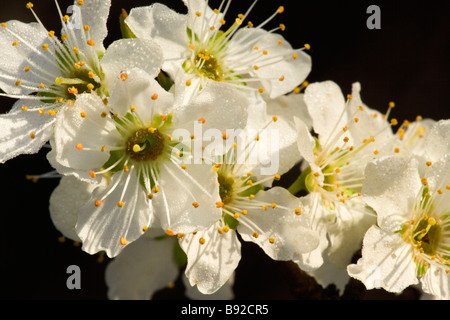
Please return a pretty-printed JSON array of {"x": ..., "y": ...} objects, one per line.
[{"x": 406, "y": 61}]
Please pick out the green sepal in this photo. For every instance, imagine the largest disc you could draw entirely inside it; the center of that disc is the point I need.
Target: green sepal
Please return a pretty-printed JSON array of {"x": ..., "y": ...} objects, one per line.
[
  {"x": 303, "y": 182},
  {"x": 125, "y": 30},
  {"x": 114, "y": 156},
  {"x": 231, "y": 222},
  {"x": 179, "y": 255},
  {"x": 164, "y": 81}
]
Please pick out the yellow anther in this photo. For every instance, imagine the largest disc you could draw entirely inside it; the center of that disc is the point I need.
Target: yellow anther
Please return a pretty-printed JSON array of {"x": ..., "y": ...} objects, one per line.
[
  {"x": 144, "y": 229},
  {"x": 4, "y": 25},
  {"x": 222, "y": 21},
  {"x": 397, "y": 150},
  {"x": 41, "y": 86},
  {"x": 255, "y": 67},
  {"x": 83, "y": 114},
  {"x": 316, "y": 174},
  {"x": 375, "y": 152},
  {"x": 271, "y": 240},
  {"x": 45, "y": 46},
  {"x": 298, "y": 211},
  {"x": 64, "y": 37},
  {"x": 280, "y": 42},
  {"x": 125, "y": 168},
  {"x": 244, "y": 212},
  {"x": 220, "y": 230},
  {"x": 32, "y": 135},
  {"x": 250, "y": 197},
  {"x": 198, "y": 13},
  {"x": 154, "y": 96},
  {"x": 98, "y": 203},
  {"x": 273, "y": 205},
  {"x": 188, "y": 83},
  {"x": 255, "y": 235},
  {"x": 90, "y": 42},
  {"x": 92, "y": 174},
  {"x": 180, "y": 235},
  {"x": 226, "y": 228},
  {"x": 261, "y": 90},
  {"x": 24, "y": 108},
  {"x": 120, "y": 204},
  {"x": 264, "y": 207},
  {"x": 265, "y": 52},
  {"x": 123, "y": 241},
  {"x": 295, "y": 56},
  {"x": 356, "y": 120},
  {"x": 277, "y": 177},
  {"x": 150, "y": 196},
  {"x": 201, "y": 241},
  {"x": 195, "y": 204},
  {"x": 394, "y": 122},
  {"x": 424, "y": 181},
  {"x": 236, "y": 215},
  {"x": 201, "y": 120},
  {"x": 307, "y": 46},
  {"x": 163, "y": 117},
  {"x": 86, "y": 28},
  {"x": 136, "y": 148},
  {"x": 90, "y": 86},
  {"x": 419, "y": 118},
  {"x": 170, "y": 232},
  {"x": 151, "y": 130},
  {"x": 219, "y": 204},
  {"x": 391, "y": 104},
  {"x": 79, "y": 146},
  {"x": 281, "y": 78},
  {"x": 30, "y": 5},
  {"x": 337, "y": 170},
  {"x": 133, "y": 108},
  {"x": 250, "y": 182},
  {"x": 66, "y": 18},
  {"x": 282, "y": 27},
  {"x": 80, "y": 2},
  {"x": 15, "y": 43},
  {"x": 18, "y": 83},
  {"x": 73, "y": 90},
  {"x": 429, "y": 163},
  {"x": 280, "y": 9},
  {"x": 225, "y": 135},
  {"x": 346, "y": 139},
  {"x": 250, "y": 24},
  {"x": 431, "y": 221}
]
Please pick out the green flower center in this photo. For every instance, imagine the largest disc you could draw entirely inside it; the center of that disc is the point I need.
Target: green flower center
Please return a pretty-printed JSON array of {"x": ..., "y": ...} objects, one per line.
[
  {"x": 225, "y": 188},
  {"x": 145, "y": 145}
]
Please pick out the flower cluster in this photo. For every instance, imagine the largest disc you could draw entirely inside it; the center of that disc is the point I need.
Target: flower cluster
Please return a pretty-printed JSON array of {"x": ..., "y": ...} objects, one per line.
[{"x": 169, "y": 143}]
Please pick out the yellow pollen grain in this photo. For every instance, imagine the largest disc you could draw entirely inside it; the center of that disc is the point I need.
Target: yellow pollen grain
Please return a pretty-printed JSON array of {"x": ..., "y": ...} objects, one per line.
[
  {"x": 41, "y": 86},
  {"x": 244, "y": 212},
  {"x": 123, "y": 241},
  {"x": 120, "y": 204},
  {"x": 271, "y": 240},
  {"x": 79, "y": 146},
  {"x": 356, "y": 120},
  {"x": 280, "y": 42},
  {"x": 201, "y": 120},
  {"x": 281, "y": 78},
  {"x": 155, "y": 189},
  {"x": 298, "y": 211},
  {"x": 264, "y": 207},
  {"x": 295, "y": 56},
  {"x": 429, "y": 163},
  {"x": 439, "y": 191},
  {"x": 397, "y": 150},
  {"x": 337, "y": 170},
  {"x": 225, "y": 135},
  {"x": 4, "y": 25},
  {"x": 375, "y": 152},
  {"x": 125, "y": 168},
  {"x": 195, "y": 204},
  {"x": 26, "y": 69},
  {"x": 80, "y": 2},
  {"x": 83, "y": 114},
  {"x": 183, "y": 166},
  {"x": 255, "y": 67},
  {"x": 24, "y": 108},
  {"x": 98, "y": 203},
  {"x": 32, "y": 135},
  {"x": 75, "y": 49},
  {"x": 86, "y": 28},
  {"x": 419, "y": 118},
  {"x": 18, "y": 83},
  {"x": 188, "y": 83},
  {"x": 260, "y": 90},
  {"x": 133, "y": 108},
  {"x": 265, "y": 52},
  {"x": 346, "y": 139}
]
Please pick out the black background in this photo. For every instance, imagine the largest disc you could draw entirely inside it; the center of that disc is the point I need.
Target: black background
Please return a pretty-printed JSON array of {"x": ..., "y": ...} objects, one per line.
[{"x": 406, "y": 61}]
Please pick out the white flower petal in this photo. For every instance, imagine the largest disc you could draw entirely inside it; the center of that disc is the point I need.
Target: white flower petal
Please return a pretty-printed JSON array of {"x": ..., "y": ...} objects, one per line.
[
  {"x": 144, "y": 93},
  {"x": 436, "y": 282},
  {"x": 30, "y": 38},
  {"x": 386, "y": 262},
  {"x": 292, "y": 234},
  {"x": 306, "y": 145},
  {"x": 179, "y": 189},
  {"x": 210, "y": 265},
  {"x": 163, "y": 25},
  {"x": 278, "y": 63},
  {"x": 224, "y": 293},
  {"x": 65, "y": 200},
  {"x": 94, "y": 13},
  {"x": 24, "y": 132},
  {"x": 436, "y": 143},
  {"x": 390, "y": 188},
  {"x": 326, "y": 104},
  {"x": 143, "y": 267},
  {"x": 126, "y": 54},
  {"x": 102, "y": 226},
  {"x": 71, "y": 129}
]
